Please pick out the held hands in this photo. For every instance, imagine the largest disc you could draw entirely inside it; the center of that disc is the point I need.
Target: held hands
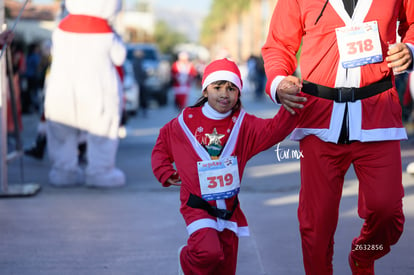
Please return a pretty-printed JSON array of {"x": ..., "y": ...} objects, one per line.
[
  {"x": 399, "y": 57},
  {"x": 174, "y": 179},
  {"x": 287, "y": 93}
]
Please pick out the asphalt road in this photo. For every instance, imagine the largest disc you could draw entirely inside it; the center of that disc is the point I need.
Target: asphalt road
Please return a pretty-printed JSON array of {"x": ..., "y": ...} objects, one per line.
[{"x": 137, "y": 229}]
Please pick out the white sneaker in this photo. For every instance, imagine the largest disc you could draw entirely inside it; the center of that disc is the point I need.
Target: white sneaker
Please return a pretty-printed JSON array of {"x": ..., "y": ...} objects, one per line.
[{"x": 180, "y": 270}]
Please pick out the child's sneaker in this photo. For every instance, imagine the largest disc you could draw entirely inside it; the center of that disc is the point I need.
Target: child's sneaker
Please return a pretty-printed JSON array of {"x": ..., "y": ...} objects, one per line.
[
  {"x": 180, "y": 270},
  {"x": 357, "y": 269}
]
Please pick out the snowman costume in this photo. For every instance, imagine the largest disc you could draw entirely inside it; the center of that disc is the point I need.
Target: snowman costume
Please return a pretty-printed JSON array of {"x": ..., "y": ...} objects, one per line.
[{"x": 83, "y": 95}]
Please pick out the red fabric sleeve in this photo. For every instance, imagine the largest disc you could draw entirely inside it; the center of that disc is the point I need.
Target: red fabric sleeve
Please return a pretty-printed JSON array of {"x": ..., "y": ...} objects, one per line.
[
  {"x": 406, "y": 18},
  {"x": 283, "y": 41},
  {"x": 161, "y": 158},
  {"x": 265, "y": 133}
]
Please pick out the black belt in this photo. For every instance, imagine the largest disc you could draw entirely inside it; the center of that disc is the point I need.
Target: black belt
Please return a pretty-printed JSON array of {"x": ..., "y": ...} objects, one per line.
[
  {"x": 197, "y": 202},
  {"x": 347, "y": 94}
]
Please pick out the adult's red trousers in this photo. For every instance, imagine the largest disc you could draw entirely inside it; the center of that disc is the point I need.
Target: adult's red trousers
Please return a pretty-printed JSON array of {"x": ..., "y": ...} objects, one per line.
[{"x": 323, "y": 167}]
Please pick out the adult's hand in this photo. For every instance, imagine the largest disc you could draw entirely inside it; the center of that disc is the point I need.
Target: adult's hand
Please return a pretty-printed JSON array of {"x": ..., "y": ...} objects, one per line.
[
  {"x": 399, "y": 57},
  {"x": 287, "y": 92}
]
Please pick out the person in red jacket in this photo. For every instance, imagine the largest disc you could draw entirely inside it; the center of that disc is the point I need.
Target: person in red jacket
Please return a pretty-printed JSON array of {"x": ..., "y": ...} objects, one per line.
[
  {"x": 183, "y": 74},
  {"x": 349, "y": 56},
  {"x": 210, "y": 144}
]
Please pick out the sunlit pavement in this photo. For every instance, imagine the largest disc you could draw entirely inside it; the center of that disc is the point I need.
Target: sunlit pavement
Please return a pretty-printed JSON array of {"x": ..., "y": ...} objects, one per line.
[{"x": 137, "y": 229}]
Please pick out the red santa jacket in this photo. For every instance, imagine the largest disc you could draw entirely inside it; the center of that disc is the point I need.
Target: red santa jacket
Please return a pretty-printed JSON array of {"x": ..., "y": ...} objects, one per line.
[
  {"x": 179, "y": 143},
  {"x": 182, "y": 74},
  {"x": 371, "y": 119}
]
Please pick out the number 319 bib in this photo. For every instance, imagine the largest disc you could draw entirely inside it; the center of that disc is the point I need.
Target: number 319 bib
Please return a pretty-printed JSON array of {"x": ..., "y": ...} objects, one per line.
[
  {"x": 359, "y": 44},
  {"x": 219, "y": 179}
]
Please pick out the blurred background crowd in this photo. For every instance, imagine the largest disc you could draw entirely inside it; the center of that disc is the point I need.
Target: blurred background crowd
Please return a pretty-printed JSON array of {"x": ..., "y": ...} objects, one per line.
[{"x": 157, "y": 33}]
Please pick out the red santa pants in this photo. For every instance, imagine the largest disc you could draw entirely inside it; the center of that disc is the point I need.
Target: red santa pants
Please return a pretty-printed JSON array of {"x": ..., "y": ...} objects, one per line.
[
  {"x": 209, "y": 252},
  {"x": 323, "y": 167},
  {"x": 181, "y": 101}
]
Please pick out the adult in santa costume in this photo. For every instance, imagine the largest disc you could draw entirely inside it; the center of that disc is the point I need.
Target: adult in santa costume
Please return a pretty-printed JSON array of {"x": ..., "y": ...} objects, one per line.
[
  {"x": 183, "y": 74},
  {"x": 352, "y": 116},
  {"x": 210, "y": 144},
  {"x": 83, "y": 94}
]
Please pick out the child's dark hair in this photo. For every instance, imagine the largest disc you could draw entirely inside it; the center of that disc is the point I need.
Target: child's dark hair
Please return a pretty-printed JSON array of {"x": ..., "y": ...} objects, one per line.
[{"x": 202, "y": 100}]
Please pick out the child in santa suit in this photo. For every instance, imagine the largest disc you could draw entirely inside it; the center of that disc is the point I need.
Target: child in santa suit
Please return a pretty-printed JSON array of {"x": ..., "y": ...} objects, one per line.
[
  {"x": 183, "y": 74},
  {"x": 210, "y": 144},
  {"x": 84, "y": 95}
]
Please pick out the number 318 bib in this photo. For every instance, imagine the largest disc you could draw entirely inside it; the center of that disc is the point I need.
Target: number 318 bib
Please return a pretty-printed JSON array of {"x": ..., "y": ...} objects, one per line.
[
  {"x": 219, "y": 179},
  {"x": 359, "y": 44}
]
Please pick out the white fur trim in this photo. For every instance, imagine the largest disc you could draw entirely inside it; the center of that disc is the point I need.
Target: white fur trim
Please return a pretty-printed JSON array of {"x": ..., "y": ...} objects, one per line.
[
  {"x": 228, "y": 148},
  {"x": 384, "y": 134},
  {"x": 201, "y": 152},
  {"x": 218, "y": 225},
  {"x": 355, "y": 119},
  {"x": 231, "y": 142},
  {"x": 222, "y": 75},
  {"x": 365, "y": 136},
  {"x": 274, "y": 85}
]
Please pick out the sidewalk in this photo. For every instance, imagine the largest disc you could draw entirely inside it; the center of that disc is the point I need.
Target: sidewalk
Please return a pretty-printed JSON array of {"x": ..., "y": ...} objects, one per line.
[{"x": 138, "y": 229}]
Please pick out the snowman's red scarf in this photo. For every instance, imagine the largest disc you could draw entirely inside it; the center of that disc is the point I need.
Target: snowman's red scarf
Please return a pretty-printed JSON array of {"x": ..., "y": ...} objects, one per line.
[{"x": 84, "y": 24}]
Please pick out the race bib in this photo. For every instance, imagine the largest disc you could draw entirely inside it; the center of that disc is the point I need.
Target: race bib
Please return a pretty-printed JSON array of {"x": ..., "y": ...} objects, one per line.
[
  {"x": 359, "y": 45},
  {"x": 219, "y": 179}
]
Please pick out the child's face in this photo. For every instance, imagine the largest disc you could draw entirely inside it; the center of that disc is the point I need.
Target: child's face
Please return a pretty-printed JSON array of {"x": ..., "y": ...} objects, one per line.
[{"x": 221, "y": 97}]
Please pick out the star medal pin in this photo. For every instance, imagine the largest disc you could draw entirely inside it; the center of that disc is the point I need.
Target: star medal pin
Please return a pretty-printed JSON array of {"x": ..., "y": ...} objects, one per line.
[{"x": 214, "y": 145}]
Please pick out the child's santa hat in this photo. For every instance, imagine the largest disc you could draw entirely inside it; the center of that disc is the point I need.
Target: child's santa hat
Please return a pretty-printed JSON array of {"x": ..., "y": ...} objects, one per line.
[{"x": 222, "y": 69}]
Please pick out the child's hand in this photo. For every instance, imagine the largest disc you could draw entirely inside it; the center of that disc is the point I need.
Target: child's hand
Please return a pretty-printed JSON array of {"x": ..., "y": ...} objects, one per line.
[{"x": 174, "y": 179}]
